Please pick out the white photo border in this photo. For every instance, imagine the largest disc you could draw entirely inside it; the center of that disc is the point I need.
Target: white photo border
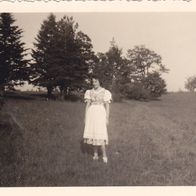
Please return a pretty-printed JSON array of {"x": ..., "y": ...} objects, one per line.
[{"x": 25, "y": 6}]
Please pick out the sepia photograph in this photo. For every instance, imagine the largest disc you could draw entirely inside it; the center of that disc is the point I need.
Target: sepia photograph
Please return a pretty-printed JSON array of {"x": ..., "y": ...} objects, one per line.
[{"x": 97, "y": 99}]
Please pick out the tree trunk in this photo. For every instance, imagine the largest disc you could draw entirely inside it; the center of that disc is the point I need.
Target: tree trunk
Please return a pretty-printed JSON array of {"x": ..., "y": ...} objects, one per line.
[
  {"x": 62, "y": 94},
  {"x": 147, "y": 71},
  {"x": 2, "y": 90},
  {"x": 49, "y": 89},
  {"x": 112, "y": 85},
  {"x": 67, "y": 91},
  {"x": 2, "y": 95}
]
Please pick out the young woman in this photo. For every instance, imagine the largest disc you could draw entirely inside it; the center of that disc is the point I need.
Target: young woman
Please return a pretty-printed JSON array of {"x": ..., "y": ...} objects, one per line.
[{"x": 97, "y": 117}]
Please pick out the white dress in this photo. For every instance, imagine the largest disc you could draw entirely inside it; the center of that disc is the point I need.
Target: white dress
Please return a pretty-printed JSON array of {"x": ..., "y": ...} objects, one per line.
[{"x": 95, "y": 131}]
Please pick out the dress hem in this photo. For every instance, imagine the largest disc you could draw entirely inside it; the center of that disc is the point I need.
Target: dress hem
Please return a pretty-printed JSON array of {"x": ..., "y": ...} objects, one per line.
[{"x": 95, "y": 142}]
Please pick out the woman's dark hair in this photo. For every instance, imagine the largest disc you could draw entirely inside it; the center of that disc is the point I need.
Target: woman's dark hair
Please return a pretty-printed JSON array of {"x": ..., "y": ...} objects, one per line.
[{"x": 97, "y": 77}]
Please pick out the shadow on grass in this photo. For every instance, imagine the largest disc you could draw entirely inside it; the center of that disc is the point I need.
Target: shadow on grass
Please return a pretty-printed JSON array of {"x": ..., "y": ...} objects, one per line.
[
  {"x": 86, "y": 148},
  {"x": 28, "y": 95},
  {"x": 19, "y": 95},
  {"x": 11, "y": 152}
]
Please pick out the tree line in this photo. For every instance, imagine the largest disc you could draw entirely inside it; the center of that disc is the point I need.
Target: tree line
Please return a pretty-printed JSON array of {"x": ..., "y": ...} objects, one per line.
[{"x": 63, "y": 58}]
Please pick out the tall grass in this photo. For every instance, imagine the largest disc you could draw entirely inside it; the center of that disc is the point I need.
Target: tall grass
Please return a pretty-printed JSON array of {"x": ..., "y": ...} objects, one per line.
[{"x": 150, "y": 143}]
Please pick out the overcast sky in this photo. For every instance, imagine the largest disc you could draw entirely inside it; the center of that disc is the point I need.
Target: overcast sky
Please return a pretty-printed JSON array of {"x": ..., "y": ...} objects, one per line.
[{"x": 171, "y": 35}]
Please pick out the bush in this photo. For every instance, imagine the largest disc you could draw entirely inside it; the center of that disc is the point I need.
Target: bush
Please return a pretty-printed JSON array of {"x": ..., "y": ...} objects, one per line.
[
  {"x": 150, "y": 87},
  {"x": 117, "y": 97},
  {"x": 154, "y": 84},
  {"x": 136, "y": 91},
  {"x": 72, "y": 97},
  {"x": 190, "y": 84}
]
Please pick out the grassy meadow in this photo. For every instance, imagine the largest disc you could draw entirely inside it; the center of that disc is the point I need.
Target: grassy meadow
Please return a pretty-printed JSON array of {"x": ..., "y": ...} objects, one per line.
[{"x": 150, "y": 143}]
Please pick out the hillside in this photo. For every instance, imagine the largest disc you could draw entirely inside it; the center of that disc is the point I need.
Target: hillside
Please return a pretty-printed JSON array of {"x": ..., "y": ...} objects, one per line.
[{"x": 150, "y": 143}]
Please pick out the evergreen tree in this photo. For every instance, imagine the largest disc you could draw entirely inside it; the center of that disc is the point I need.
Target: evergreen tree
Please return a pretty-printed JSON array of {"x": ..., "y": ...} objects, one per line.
[
  {"x": 112, "y": 67},
  {"x": 62, "y": 56},
  {"x": 44, "y": 55},
  {"x": 13, "y": 64},
  {"x": 75, "y": 56}
]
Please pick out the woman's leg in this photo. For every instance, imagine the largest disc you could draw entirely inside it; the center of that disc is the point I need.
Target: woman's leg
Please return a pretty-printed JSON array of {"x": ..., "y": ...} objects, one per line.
[
  {"x": 95, "y": 149},
  {"x": 103, "y": 148}
]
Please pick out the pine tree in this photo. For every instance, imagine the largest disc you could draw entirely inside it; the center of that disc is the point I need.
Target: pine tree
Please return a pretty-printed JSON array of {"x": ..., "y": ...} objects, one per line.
[
  {"x": 13, "y": 61},
  {"x": 44, "y": 55},
  {"x": 75, "y": 56},
  {"x": 111, "y": 67},
  {"x": 62, "y": 56}
]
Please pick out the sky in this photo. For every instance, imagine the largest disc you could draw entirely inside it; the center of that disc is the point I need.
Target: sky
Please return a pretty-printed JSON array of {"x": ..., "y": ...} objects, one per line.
[{"x": 171, "y": 35}]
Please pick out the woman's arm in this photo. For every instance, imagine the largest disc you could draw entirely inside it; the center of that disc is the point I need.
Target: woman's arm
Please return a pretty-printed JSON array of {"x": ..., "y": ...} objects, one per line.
[
  {"x": 86, "y": 108},
  {"x": 107, "y": 107}
]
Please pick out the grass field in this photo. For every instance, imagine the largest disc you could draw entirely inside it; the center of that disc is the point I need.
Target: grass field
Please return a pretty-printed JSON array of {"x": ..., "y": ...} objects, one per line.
[{"x": 150, "y": 143}]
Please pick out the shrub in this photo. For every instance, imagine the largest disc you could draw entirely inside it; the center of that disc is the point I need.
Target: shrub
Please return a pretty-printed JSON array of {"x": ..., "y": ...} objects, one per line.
[
  {"x": 190, "y": 84},
  {"x": 150, "y": 87},
  {"x": 154, "y": 84},
  {"x": 136, "y": 91},
  {"x": 117, "y": 97}
]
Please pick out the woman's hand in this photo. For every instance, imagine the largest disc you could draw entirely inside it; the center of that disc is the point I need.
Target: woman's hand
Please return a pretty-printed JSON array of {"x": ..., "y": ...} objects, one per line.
[
  {"x": 87, "y": 106},
  {"x": 107, "y": 107},
  {"x": 107, "y": 120}
]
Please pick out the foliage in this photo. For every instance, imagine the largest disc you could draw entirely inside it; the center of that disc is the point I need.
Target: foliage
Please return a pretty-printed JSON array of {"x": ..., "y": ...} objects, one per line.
[
  {"x": 110, "y": 68},
  {"x": 76, "y": 56},
  {"x": 138, "y": 76},
  {"x": 190, "y": 84},
  {"x": 145, "y": 61},
  {"x": 13, "y": 64},
  {"x": 154, "y": 84},
  {"x": 136, "y": 91},
  {"x": 45, "y": 55},
  {"x": 144, "y": 81},
  {"x": 62, "y": 55}
]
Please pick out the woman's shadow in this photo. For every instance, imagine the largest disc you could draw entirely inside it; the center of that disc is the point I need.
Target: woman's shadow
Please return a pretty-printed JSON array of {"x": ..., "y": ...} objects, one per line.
[{"x": 86, "y": 148}]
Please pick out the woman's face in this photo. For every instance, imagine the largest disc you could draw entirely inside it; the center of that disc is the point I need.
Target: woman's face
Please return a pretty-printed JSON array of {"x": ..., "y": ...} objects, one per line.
[{"x": 96, "y": 83}]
